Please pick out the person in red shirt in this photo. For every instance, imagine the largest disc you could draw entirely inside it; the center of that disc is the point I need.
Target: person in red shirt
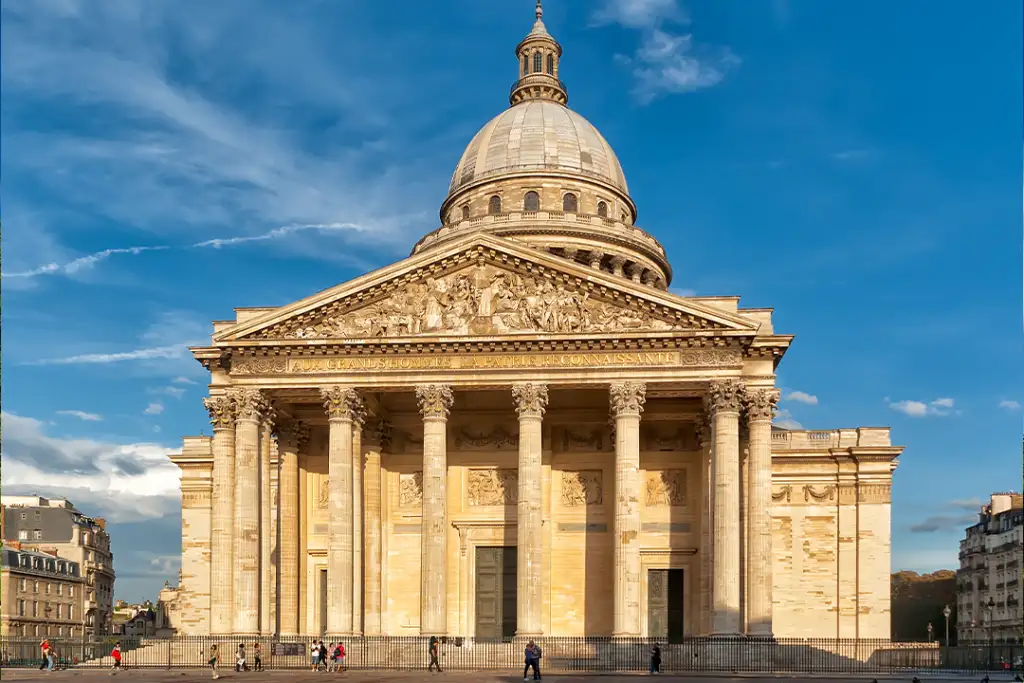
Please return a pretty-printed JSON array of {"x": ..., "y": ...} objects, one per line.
[
  {"x": 45, "y": 648},
  {"x": 116, "y": 654}
]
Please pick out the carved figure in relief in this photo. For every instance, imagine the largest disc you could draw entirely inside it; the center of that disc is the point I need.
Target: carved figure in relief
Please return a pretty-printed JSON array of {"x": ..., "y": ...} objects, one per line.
[
  {"x": 666, "y": 488},
  {"x": 324, "y": 495},
  {"x": 482, "y": 300},
  {"x": 410, "y": 489},
  {"x": 582, "y": 488},
  {"x": 493, "y": 487}
]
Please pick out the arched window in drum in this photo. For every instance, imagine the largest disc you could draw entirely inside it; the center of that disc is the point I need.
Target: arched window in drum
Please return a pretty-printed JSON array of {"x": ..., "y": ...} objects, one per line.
[
  {"x": 465, "y": 211},
  {"x": 531, "y": 201},
  {"x": 494, "y": 205},
  {"x": 602, "y": 209},
  {"x": 538, "y": 63},
  {"x": 551, "y": 64},
  {"x": 569, "y": 203}
]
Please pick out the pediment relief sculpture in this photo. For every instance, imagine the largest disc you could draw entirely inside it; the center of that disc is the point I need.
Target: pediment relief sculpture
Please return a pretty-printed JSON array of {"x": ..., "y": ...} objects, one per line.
[
  {"x": 493, "y": 487},
  {"x": 410, "y": 489},
  {"x": 666, "y": 488},
  {"x": 582, "y": 488},
  {"x": 481, "y": 300}
]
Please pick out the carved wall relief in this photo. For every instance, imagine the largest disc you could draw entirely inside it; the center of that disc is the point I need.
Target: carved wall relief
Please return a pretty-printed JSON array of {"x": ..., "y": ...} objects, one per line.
[
  {"x": 827, "y": 493},
  {"x": 782, "y": 494},
  {"x": 670, "y": 438},
  {"x": 410, "y": 489},
  {"x": 195, "y": 499},
  {"x": 493, "y": 487},
  {"x": 666, "y": 488},
  {"x": 583, "y": 440},
  {"x": 497, "y": 439},
  {"x": 581, "y": 488},
  {"x": 323, "y": 496},
  {"x": 481, "y": 300}
]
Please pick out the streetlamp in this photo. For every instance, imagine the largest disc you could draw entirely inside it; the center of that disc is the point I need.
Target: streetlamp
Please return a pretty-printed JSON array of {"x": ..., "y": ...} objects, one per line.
[
  {"x": 991, "y": 606},
  {"x": 946, "y": 612}
]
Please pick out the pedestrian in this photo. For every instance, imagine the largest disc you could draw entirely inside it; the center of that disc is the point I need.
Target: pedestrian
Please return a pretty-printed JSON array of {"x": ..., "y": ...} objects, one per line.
[
  {"x": 51, "y": 657},
  {"x": 323, "y": 654},
  {"x": 314, "y": 656},
  {"x": 433, "y": 655},
  {"x": 240, "y": 664},
  {"x": 257, "y": 658},
  {"x": 533, "y": 655},
  {"x": 214, "y": 658},
  {"x": 339, "y": 656},
  {"x": 332, "y": 660},
  {"x": 44, "y": 648},
  {"x": 116, "y": 654},
  {"x": 655, "y": 667}
]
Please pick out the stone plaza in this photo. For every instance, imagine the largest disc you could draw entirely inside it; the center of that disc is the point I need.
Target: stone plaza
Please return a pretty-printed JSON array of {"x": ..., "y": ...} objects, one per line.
[{"x": 519, "y": 430}]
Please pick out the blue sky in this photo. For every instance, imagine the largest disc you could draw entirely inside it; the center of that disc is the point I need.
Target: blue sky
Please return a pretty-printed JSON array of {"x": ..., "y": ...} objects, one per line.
[{"x": 854, "y": 165}]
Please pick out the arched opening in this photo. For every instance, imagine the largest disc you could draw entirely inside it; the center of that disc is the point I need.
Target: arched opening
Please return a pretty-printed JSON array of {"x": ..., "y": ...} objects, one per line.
[
  {"x": 526, "y": 65},
  {"x": 465, "y": 211},
  {"x": 569, "y": 203},
  {"x": 538, "y": 63},
  {"x": 602, "y": 209},
  {"x": 624, "y": 217},
  {"x": 531, "y": 201},
  {"x": 551, "y": 64},
  {"x": 494, "y": 205}
]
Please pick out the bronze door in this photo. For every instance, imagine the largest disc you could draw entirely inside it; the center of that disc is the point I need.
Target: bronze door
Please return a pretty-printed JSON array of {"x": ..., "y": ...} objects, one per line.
[
  {"x": 665, "y": 604},
  {"x": 495, "y": 592}
]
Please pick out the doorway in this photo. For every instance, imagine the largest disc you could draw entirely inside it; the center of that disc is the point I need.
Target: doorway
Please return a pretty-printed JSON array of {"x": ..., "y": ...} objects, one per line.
[
  {"x": 666, "y": 613},
  {"x": 495, "y": 592},
  {"x": 323, "y": 601}
]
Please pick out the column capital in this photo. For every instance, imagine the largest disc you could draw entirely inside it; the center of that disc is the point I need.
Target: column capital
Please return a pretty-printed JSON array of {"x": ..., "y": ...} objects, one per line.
[
  {"x": 435, "y": 400},
  {"x": 377, "y": 433},
  {"x": 627, "y": 398},
  {"x": 531, "y": 399},
  {"x": 724, "y": 396},
  {"x": 292, "y": 434},
  {"x": 342, "y": 403},
  {"x": 759, "y": 404},
  {"x": 222, "y": 411},
  {"x": 251, "y": 404},
  {"x": 703, "y": 428}
]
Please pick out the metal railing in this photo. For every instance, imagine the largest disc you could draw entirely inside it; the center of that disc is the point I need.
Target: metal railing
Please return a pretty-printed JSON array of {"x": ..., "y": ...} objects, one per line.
[{"x": 560, "y": 654}]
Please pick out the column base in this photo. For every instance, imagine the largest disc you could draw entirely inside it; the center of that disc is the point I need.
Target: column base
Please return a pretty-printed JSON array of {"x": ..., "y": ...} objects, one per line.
[
  {"x": 737, "y": 634},
  {"x": 625, "y": 635},
  {"x": 762, "y": 637}
]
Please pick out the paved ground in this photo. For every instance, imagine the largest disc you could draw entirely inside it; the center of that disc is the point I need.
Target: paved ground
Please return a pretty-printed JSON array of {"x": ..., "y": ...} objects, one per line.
[{"x": 180, "y": 676}]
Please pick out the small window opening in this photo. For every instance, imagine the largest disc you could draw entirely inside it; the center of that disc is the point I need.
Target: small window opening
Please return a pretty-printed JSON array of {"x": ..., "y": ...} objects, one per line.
[
  {"x": 602, "y": 209},
  {"x": 551, "y": 64},
  {"x": 494, "y": 205},
  {"x": 538, "y": 62},
  {"x": 531, "y": 202},
  {"x": 569, "y": 203}
]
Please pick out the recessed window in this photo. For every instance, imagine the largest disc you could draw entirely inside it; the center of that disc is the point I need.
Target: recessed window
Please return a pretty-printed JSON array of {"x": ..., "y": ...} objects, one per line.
[
  {"x": 37, "y": 534},
  {"x": 23, "y": 535},
  {"x": 569, "y": 203},
  {"x": 494, "y": 205},
  {"x": 602, "y": 209},
  {"x": 465, "y": 211},
  {"x": 538, "y": 62},
  {"x": 551, "y": 64},
  {"x": 531, "y": 201},
  {"x": 526, "y": 65}
]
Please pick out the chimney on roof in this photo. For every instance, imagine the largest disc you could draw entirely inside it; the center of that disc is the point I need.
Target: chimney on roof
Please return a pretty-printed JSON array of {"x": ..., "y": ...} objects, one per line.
[{"x": 101, "y": 523}]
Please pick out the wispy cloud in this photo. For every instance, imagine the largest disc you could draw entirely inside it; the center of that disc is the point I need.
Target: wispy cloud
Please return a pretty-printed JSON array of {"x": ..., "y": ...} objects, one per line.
[
  {"x": 858, "y": 154},
  {"x": 954, "y": 516},
  {"x": 939, "y": 407},
  {"x": 154, "y": 409},
  {"x": 81, "y": 415},
  {"x": 1009, "y": 405},
  {"x": 682, "y": 291},
  {"x": 801, "y": 397},
  {"x": 176, "y": 351},
  {"x": 785, "y": 420},
  {"x": 667, "y": 61},
  {"x": 79, "y": 264},
  {"x": 182, "y": 380}
]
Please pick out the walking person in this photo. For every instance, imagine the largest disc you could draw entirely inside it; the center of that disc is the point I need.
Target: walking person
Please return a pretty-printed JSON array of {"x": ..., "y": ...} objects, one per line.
[
  {"x": 214, "y": 658},
  {"x": 314, "y": 656},
  {"x": 323, "y": 655},
  {"x": 116, "y": 654},
  {"x": 44, "y": 648},
  {"x": 655, "y": 667},
  {"x": 434, "y": 646},
  {"x": 257, "y": 657},
  {"x": 339, "y": 657},
  {"x": 240, "y": 664},
  {"x": 533, "y": 655}
]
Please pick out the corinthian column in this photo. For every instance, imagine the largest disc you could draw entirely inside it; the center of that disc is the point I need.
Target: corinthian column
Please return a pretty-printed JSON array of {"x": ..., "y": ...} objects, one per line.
[
  {"x": 531, "y": 402},
  {"x": 252, "y": 406},
  {"x": 358, "y": 420},
  {"x": 291, "y": 438},
  {"x": 341, "y": 403},
  {"x": 374, "y": 438},
  {"x": 760, "y": 409},
  {"x": 266, "y": 571},
  {"x": 723, "y": 404},
  {"x": 435, "y": 402},
  {"x": 706, "y": 565},
  {"x": 222, "y": 417},
  {"x": 627, "y": 402}
]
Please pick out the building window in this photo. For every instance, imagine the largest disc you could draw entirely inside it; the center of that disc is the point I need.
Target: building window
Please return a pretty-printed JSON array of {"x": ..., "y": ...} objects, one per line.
[
  {"x": 35, "y": 586},
  {"x": 22, "y": 585},
  {"x": 24, "y": 515},
  {"x": 602, "y": 209},
  {"x": 494, "y": 205},
  {"x": 35, "y": 630},
  {"x": 531, "y": 201},
  {"x": 465, "y": 211},
  {"x": 60, "y": 611},
  {"x": 538, "y": 62},
  {"x": 21, "y": 608},
  {"x": 71, "y": 611},
  {"x": 551, "y": 64},
  {"x": 569, "y": 203},
  {"x": 46, "y": 588},
  {"x": 624, "y": 217},
  {"x": 60, "y": 589},
  {"x": 526, "y": 65},
  {"x": 35, "y": 608},
  {"x": 71, "y": 591},
  {"x": 37, "y": 534},
  {"x": 23, "y": 536}
]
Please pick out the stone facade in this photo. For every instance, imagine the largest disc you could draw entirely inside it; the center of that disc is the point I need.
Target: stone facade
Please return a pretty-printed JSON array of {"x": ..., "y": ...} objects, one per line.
[{"x": 518, "y": 430}]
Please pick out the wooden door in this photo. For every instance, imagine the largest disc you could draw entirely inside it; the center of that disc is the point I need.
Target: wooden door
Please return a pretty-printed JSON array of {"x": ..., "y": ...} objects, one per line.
[
  {"x": 495, "y": 592},
  {"x": 666, "y": 614}
]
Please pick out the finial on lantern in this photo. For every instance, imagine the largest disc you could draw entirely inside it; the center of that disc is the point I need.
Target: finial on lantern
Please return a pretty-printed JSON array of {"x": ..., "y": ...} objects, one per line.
[{"x": 540, "y": 11}]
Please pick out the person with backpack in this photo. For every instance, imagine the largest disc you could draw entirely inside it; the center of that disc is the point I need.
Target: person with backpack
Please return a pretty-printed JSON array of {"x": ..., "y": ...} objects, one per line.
[
  {"x": 240, "y": 664},
  {"x": 655, "y": 667},
  {"x": 339, "y": 657},
  {"x": 533, "y": 654},
  {"x": 433, "y": 650},
  {"x": 116, "y": 654}
]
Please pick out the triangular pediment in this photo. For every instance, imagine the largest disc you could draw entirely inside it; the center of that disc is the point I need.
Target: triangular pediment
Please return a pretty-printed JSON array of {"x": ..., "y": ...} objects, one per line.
[{"x": 482, "y": 286}]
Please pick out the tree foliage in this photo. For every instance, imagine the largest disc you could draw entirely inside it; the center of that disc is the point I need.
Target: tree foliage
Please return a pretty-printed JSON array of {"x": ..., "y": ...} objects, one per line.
[{"x": 918, "y": 599}]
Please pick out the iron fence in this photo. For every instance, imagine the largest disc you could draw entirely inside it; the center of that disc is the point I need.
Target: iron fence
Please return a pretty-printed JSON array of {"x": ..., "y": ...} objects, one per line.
[{"x": 560, "y": 654}]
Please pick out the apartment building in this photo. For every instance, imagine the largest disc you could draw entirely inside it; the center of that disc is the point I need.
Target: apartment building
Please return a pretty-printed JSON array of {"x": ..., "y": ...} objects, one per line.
[
  {"x": 989, "y": 579},
  {"x": 42, "y": 594},
  {"x": 55, "y": 526}
]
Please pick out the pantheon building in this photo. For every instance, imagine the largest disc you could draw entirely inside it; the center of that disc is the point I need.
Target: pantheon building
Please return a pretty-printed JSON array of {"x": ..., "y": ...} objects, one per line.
[{"x": 520, "y": 430}]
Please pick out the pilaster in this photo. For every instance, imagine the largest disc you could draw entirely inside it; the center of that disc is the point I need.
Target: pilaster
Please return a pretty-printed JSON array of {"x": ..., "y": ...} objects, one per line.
[
  {"x": 222, "y": 418},
  {"x": 358, "y": 420},
  {"x": 703, "y": 428},
  {"x": 266, "y": 540},
  {"x": 627, "y": 403},
  {"x": 531, "y": 401}
]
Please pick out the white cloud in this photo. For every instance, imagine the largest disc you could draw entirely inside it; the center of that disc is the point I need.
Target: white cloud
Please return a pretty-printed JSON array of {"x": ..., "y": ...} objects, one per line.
[
  {"x": 801, "y": 397},
  {"x": 852, "y": 154},
  {"x": 81, "y": 415},
  {"x": 1009, "y": 405},
  {"x": 154, "y": 409},
  {"x": 785, "y": 420},
  {"x": 666, "y": 61},
  {"x": 124, "y": 482},
  {"x": 182, "y": 380},
  {"x": 936, "y": 408},
  {"x": 682, "y": 291},
  {"x": 175, "y": 351}
]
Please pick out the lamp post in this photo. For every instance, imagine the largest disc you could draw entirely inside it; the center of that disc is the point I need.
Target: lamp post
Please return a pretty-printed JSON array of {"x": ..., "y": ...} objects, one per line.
[
  {"x": 991, "y": 606},
  {"x": 946, "y": 612}
]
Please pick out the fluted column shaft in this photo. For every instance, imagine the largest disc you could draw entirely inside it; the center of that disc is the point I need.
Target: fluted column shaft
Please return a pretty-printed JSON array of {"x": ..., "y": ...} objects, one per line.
[
  {"x": 340, "y": 403},
  {"x": 627, "y": 402},
  {"x": 706, "y": 539},
  {"x": 357, "y": 523},
  {"x": 531, "y": 401},
  {"x": 373, "y": 440},
  {"x": 435, "y": 402},
  {"x": 291, "y": 438},
  {"x": 222, "y": 515},
  {"x": 723, "y": 403},
  {"x": 760, "y": 408},
  {"x": 252, "y": 406},
  {"x": 266, "y": 541}
]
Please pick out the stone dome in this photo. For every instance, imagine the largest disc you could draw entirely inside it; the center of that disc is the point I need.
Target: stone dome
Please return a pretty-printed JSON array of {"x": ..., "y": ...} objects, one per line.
[{"x": 538, "y": 135}]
